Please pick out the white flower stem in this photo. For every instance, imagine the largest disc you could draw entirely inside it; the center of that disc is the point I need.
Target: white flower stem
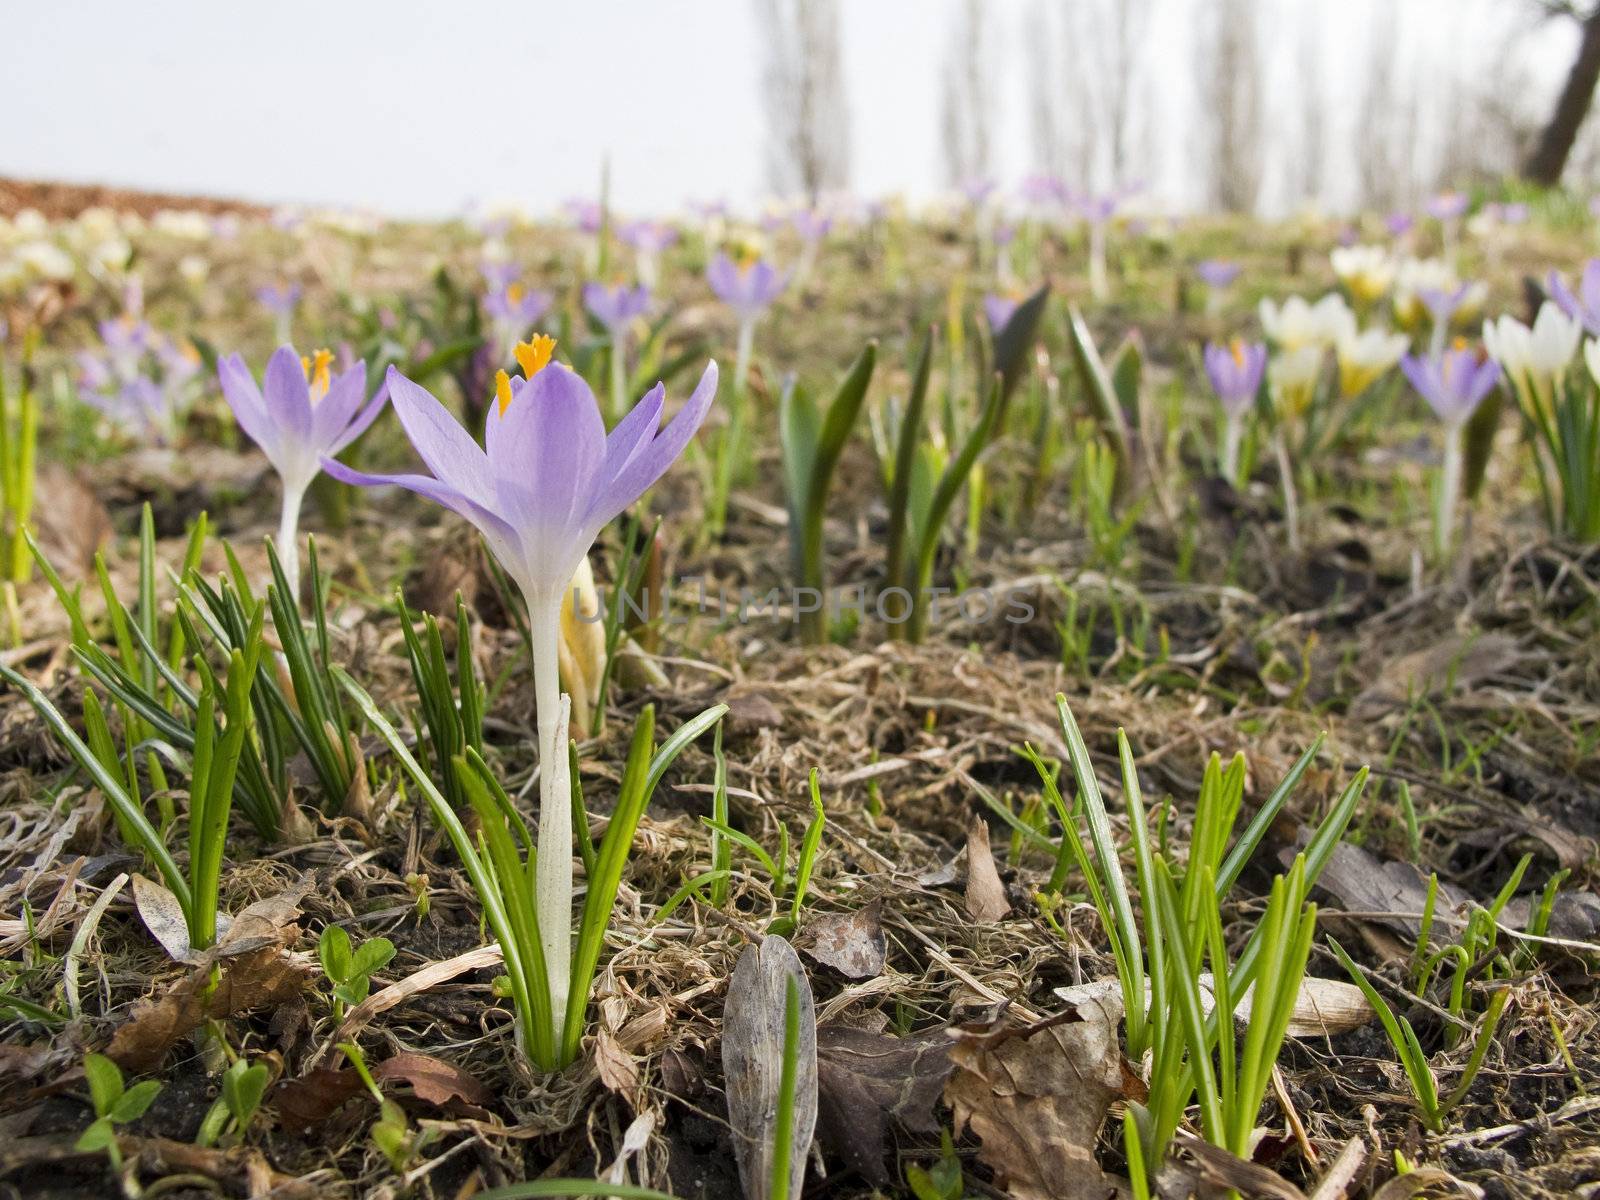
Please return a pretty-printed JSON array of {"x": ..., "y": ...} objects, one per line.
[
  {"x": 1291, "y": 503},
  {"x": 1232, "y": 436},
  {"x": 1098, "y": 284},
  {"x": 1449, "y": 487},
  {"x": 289, "y": 540},
  {"x": 741, "y": 361},
  {"x": 619, "y": 375},
  {"x": 553, "y": 883}
]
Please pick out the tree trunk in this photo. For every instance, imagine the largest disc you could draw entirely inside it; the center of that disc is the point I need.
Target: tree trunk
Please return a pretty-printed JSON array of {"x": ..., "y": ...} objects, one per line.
[{"x": 1549, "y": 157}]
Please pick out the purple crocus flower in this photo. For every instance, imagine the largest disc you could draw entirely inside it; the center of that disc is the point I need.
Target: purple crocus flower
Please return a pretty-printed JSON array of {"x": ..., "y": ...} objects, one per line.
[
  {"x": 515, "y": 305},
  {"x": 616, "y": 307},
  {"x": 1217, "y": 272},
  {"x": 1453, "y": 383},
  {"x": 546, "y": 481},
  {"x": 1515, "y": 213},
  {"x": 301, "y": 417},
  {"x": 811, "y": 224},
  {"x": 998, "y": 310},
  {"x": 648, "y": 237},
  {"x": 1399, "y": 223},
  {"x": 748, "y": 287},
  {"x": 1005, "y": 232},
  {"x": 1584, "y": 307},
  {"x": 1447, "y": 206},
  {"x": 1235, "y": 372},
  {"x": 498, "y": 274},
  {"x": 977, "y": 190},
  {"x": 1442, "y": 305},
  {"x": 279, "y": 299},
  {"x": 586, "y": 214}
]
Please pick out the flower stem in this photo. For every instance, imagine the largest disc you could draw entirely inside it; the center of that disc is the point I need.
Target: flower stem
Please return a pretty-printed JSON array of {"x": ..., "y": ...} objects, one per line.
[
  {"x": 741, "y": 362},
  {"x": 1232, "y": 435},
  {"x": 1099, "y": 286},
  {"x": 1449, "y": 487},
  {"x": 1291, "y": 503},
  {"x": 289, "y": 540},
  {"x": 553, "y": 883},
  {"x": 619, "y": 377}
]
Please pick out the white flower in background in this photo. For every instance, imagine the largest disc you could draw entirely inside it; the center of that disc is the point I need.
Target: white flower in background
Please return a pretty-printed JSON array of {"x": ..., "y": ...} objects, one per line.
[
  {"x": 1293, "y": 377},
  {"x": 1367, "y": 272},
  {"x": 98, "y": 224},
  {"x": 1367, "y": 356},
  {"x": 193, "y": 269},
  {"x": 30, "y": 223},
  {"x": 109, "y": 255},
  {"x": 1591, "y": 356},
  {"x": 45, "y": 260},
  {"x": 11, "y": 274},
  {"x": 1535, "y": 360},
  {"x": 186, "y": 224},
  {"x": 1298, "y": 324}
]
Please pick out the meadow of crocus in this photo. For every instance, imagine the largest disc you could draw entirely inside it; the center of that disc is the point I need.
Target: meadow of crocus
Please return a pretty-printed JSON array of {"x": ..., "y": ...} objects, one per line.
[{"x": 1028, "y": 695}]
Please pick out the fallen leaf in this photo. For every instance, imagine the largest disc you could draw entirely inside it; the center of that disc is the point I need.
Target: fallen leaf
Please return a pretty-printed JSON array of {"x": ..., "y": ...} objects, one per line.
[
  {"x": 753, "y": 1021},
  {"x": 616, "y": 1067},
  {"x": 1036, "y": 1096},
  {"x": 986, "y": 895},
  {"x": 1322, "y": 1007},
  {"x": 263, "y": 923},
  {"x": 1362, "y": 882},
  {"x": 317, "y": 1095},
  {"x": 864, "y": 1079},
  {"x": 163, "y": 916},
  {"x": 1229, "y": 1171},
  {"x": 261, "y": 978},
  {"x": 1457, "y": 662},
  {"x": 69, "y": 521},
  {"x": 851, "y": 943},
  {"x": 433, "y": 1080}
]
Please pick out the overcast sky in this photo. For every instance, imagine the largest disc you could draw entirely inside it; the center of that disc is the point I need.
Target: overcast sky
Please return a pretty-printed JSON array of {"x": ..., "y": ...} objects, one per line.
[{"x": 420, "y": 108}]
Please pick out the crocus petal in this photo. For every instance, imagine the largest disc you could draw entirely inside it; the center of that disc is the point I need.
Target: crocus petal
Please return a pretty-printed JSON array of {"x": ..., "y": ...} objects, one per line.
[
  {"x": 249, "y": 409},
  {"x": 363, "y": 419},
  {"x": 451, "y": 454},
  {"x": 651, "y": 461},
  {"x": 549, "y": 444},
  {"x": 502, "y": 538},
  {"x": 633, "y": 432},
  {"x": 288, "y": 395},
  {"x": 332, "y": 413}
]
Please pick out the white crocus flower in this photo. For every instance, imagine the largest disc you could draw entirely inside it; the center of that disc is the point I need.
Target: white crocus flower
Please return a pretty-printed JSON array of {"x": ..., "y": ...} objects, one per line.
[
  {"x": 1367, "y": 271},
  {"x": 1535, "y": 360},
  {"x": 1298, "y": 324},
  {"x": 1364, "y": 357},
  {"x": 1293, "y": 376},
  {"x": 1591, "y": 355}
]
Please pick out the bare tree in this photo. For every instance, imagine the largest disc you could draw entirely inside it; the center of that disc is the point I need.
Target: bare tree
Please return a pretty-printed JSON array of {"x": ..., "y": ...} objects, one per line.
[
  {"x": 1050, "y": 150},
  {"x": 1313, "y": 111},
  {"x": 1231, "y": 102},
  {"x": 1549, "y": 158},
  {"x": 1380, "y": 123},
  {"x": 968, "y": 101},
  {"x": 808, "y": 115}
]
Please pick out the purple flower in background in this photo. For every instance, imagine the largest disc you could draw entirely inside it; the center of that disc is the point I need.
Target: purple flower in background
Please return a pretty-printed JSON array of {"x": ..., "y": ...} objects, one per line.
[
  {"x": 1399, "y": 223},
  {"x": 1441, "y": 304},
  {"x": 1097, "y": 210},
  {"x": 546, "y": 481},
  {"x": 1584, "y": 307},
  {"x": 1453, "y": 383},
  {"x": 1044, "y": 190},
  {"x": 977, "y": 190},
  {"x": 1594, "y": 206},
  {"x": 1217, "y": 272},
  {"x": 1235, "y": 372},
  {"x": 615, "y": 307},
  {"x": 517, "y": 305},
  {"x": 709, "y": 210},
  {"x": 648, "y": 237},
  {"x": 1005, "y": 232},
  {"x": 811, "y": 224},
  {"x": 1447, "y": 206},
  {"x": 498, "y": 274},
  {"x": 998, "y": 310},
  {"x": 748, "y": 287},
  {"x": 586, "y": 214},
  {"x": 1349, "y": 235},
  {"x": 302, "y": 416},
  {"x": 1515, "y": 213},
  {"x": 279, "y": 299}
]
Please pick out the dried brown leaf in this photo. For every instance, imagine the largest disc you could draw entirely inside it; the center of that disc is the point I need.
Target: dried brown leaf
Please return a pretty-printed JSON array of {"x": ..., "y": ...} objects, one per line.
[
  {"x": 1036, "y": 1097},
  {"x": 752, "y": 1063},
  {"x": 616, "y": 1067},
  {"x": 261, "y": 978},
  {"x": 986, "y": 895},
  {"x": 864, "y": 1079},
  {"x": 851, "y": 943}
]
